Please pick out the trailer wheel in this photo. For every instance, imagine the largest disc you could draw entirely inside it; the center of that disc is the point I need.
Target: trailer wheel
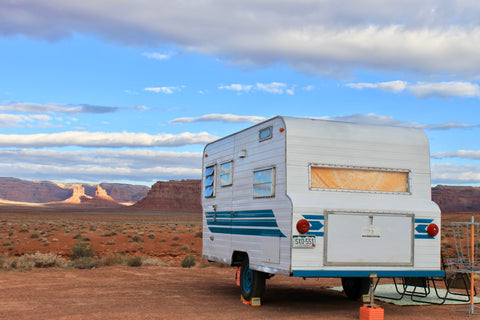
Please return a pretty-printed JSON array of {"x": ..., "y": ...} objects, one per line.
[
  {"x": 355, "y": 287},
  {"x": 252, "y": 282}
]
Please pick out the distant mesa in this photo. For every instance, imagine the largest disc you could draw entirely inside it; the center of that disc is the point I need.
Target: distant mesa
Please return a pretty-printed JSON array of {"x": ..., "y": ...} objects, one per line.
[
  {"x": 452, "y": 199},
  {"x": 169, "y": 196},
  {"x": 173, "y": 196},
  {"x": 79, "y": 198}
]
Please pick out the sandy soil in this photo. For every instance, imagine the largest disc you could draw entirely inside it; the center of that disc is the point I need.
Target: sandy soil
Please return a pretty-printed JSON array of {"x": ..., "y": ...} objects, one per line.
[
  {"x": 155, "y": 292},
  {"x": 177, "y": 293},
  {"x": 168, "y": 237}
]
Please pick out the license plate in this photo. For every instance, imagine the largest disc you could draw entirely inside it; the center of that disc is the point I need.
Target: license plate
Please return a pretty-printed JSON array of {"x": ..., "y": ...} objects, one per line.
[{"x": 303, "y": 241}]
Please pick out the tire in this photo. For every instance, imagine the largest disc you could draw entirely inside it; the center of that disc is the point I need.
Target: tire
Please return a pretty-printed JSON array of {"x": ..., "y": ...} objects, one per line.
[
  {"x": 252, "y": 282},
  {"x": 355, "y": 287}
]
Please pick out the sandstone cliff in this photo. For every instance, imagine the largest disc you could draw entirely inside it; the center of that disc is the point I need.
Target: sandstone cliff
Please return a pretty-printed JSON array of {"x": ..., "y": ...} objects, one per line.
[
  {"x": 173, "y": 196},
  {"x": 456, "y": 198},
  {"x": 12, "y": 189},
  {"x": 80, "y": 199}
]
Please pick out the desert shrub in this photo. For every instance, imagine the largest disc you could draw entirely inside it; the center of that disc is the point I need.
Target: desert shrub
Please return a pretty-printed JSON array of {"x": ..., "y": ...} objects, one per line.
[
  {"x": 112, "y": 259},
  {"x": 86, "y": 263},
  {"x": 46, "y": 260},
  {"x": 188, "y": 261},
  {"x": 6, "y": 244},
  {"x": 151, "y": 236},
  {"x": 82, "y": 250},
  {"x": 110, "y": 243},
  {"x": 23, "y": 230},
  {"x": 16, "y": 263},
  {"x": 136, "y": 239},
  {"x": 153, "y": 262},
  {"x": 185, "y": 247},
  {"x": 34, "y": 236},
  {"x": 175, "y": 238},
  {"x": 134, "y": 261},
  {"x": 77, "y": 236},
  {"x": 198, "y": 234},
  {"x": 175, "y": 244}
]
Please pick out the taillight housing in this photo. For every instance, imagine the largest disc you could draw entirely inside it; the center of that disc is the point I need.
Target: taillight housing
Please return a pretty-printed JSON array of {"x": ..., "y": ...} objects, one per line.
[
  {"x": 432, "y": 230},
  {"x": 303, "y": 226}
]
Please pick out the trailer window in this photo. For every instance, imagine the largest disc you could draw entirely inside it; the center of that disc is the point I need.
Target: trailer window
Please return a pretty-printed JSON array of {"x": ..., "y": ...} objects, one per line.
[
  {"x": 265, "y": 133},
  {"x": 359, "y": 179},
  {"x": 209, "y": 182},
  {"x": 264, "y": 183},
  {"x": 226, "y": 173}
]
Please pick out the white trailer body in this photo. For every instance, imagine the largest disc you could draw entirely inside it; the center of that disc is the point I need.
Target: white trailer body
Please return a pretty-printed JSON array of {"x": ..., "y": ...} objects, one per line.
[{"x": 364, "y": 191}]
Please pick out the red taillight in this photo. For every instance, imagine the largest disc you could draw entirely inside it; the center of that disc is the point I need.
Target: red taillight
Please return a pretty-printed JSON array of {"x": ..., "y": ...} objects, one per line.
[
  {"x": 432, "y": 229},
  {"x": 303, "y": 226}
]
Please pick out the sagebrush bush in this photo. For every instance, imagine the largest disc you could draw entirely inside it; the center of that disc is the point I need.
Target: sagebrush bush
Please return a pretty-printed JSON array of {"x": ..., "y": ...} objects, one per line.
[
  {"x": 82, "y": 250},
  {"x": 134, "y": 261},
  {"x": 86, "y": 263},
  {"x": 188, "y": 261}
]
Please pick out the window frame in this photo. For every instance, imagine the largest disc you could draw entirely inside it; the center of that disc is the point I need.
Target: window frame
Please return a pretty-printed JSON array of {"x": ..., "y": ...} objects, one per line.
[
  {"x": 213, "y": 175},
  {"x": 408, "y": 173},
  {"x": 272, "y": 182},
  {"x": 230, "y": 174},
  {"x": 270, "y": 136}
]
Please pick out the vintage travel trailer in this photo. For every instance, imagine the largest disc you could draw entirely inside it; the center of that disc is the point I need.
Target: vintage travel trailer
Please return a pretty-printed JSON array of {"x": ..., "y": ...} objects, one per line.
[{"x": 313, "y": 198}]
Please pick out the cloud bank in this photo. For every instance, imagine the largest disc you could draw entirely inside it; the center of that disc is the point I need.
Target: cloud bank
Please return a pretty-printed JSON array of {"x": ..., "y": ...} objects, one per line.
[
  {"x": 103, "y": 139},
  {"x": 422, "y": 90},
  {"x": 319, "y": 37}
]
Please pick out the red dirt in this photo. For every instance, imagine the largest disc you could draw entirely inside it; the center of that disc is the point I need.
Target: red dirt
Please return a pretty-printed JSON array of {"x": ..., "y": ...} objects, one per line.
[
  {"x": 156, "y": 292},
  {"x": 177, "y": 293}
]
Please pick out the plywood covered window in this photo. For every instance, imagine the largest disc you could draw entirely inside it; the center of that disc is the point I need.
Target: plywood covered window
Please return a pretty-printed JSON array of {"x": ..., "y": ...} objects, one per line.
[{"x": 359, "y": 179}]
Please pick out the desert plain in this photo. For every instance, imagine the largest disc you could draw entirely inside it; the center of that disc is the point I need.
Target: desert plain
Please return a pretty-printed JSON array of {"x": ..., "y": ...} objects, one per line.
[{"x": 161, "y": 286}]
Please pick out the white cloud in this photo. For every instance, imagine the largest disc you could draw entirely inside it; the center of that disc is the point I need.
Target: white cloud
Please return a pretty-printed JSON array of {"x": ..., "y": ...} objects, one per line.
[
  {"x": 374, "y": 119},
  {"x": 390, "y": 86},
  {"x": 272, "y": 87},
  {"x": 157, "y": 55},
  {"x": 97, "y": 173},
  {"x": 236, "y": 87},
  {"x": 99, "y": 165},
  {"x": 322, "y": 37},
  {"x": 166, "y": 90},
  {"x": 462, "y": 154},
  {"x": 18, "y": 120},
  {"x": 228, "y": 118},
  {"x": 103, "y": 139},
  {"x": 445, "y": 89},
  {"x": 31, "y": 107},
  {"x": 424, "y": 89},
  {"x": 448, "y": 173}
]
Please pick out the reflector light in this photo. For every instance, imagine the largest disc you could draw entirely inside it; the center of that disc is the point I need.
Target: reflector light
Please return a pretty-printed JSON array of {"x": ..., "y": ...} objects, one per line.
[
  {"x": 281, "y": 130},
  {"x": 303, "y": 226},
  {"x": 432, "y": 229}
]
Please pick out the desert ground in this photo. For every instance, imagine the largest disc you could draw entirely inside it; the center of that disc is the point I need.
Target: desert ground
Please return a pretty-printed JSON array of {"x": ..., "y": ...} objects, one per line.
[{"x": 164, "y": 291}]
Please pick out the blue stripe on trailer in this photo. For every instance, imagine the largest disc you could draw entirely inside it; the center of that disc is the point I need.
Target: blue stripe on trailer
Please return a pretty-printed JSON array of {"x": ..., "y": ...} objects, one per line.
[
  {"x": 421, "y": 226},
  {"x": 366, "y": 273},
  {"x": 231, "y": 222},
  {"x": 248, "y": 231},
  {"x": 243, "y": 222}
]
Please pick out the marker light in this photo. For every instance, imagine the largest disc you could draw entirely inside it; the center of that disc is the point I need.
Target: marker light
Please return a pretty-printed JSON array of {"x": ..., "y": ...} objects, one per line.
[
  {"x": 303, "y": 226},
  {"x": 281, "y": 130},
  {"x": 432, "y": 229}
]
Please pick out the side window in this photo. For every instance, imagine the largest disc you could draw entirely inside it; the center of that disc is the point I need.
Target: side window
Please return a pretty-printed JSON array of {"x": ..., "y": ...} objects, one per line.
[
  {"x": 209, "y": 182},
  {"x": 264, "y": 183},
  {"x": 226, "y": 174},
  {"x": 265, "y": 133}
]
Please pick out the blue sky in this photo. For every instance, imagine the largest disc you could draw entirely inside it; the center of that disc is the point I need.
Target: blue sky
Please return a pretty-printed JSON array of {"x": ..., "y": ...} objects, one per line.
[{"x": 101, "y": 91}]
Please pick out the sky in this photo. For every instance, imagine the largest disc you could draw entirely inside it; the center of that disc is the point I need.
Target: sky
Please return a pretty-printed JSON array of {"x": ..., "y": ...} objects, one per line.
[{"x": 130, "y": 91}]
